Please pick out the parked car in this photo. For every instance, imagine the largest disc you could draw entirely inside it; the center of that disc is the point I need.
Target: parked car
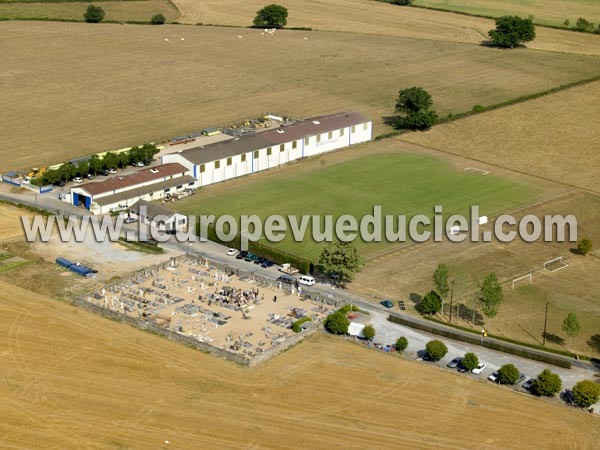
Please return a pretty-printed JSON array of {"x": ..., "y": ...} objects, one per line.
[
  {"x": 455, "y": 362},
  {"x": 138, "y": 164},
  {"x": 477, "y": 370},
  {"x": 287, "y": 279},
  {"x": 89, "y": 176},
  {"x": 461, "y": 368},
  {"x": 528, "y": 384},
  {"x": 241, "y": 255},
  {"x": 568, "y": 397},
  {"x": 521, "y": 378},
  {"x": 105, "y": 172},
  {"x": 306, "y": 280},
  {"x": 493, "y": 376},
  {"x": 250, "y": 257},
  {"x": 266, "y": 264},
  {"x": 129, "y": 220},
  {"x": 77, "y": 180},
  {"x": 259, "y": 260},
  {"x": 231, "y": 252},
  {"x": 27, "y": 180},
  {"x": 387, "y": 303},
  {"x": 112, "y": 171}
]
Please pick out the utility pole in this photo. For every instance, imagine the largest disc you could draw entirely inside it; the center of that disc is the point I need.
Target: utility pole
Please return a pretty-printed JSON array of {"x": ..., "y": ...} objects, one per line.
[
  {"x": 451, "y": 295},
  {"x": 545, "y": 323}
]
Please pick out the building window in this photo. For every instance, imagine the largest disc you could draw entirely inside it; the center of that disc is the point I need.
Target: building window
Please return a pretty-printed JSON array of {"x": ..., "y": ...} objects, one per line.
[
  {"x": 180, "y": 186},
  {"x": 294, "y": 144},
  {"x": 365, "y": 126},
  {"x": 168, "y": 190},
  {"x": 330, "y": 135},
  {"x": 306, "y": 141},
  {"x": 341, "y": 132},
  {"x": 202, "y": 168},
  {"x": 353, "y": 128},
  {"x": 282, "y": 148},
  {"x": 256, "y": 154},
  {"x": 318, "y": 138},
  {"x": 269, "y": 151},
  {"x": 217, "y": 164},
  {"x": 191, "y": 183},
  {"x": 229, "y": 161},
  {"x": 244, "y": 157}
]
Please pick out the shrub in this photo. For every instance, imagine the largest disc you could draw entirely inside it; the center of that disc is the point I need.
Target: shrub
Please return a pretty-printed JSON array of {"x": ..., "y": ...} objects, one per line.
[
  {"x": 546, "y": 384},
  {"x": 583, "y": 25},
  {"x": 347, "y": 308},
  {"x": 586, "y": 393},
  {"x": 436, "y": 349},
  {"x": 297, "y": 325},
  {"x": 94, "y": 14},
  {"x": 337, "y": 323},
  {"x": 158, "y": 19},
  {"x": 478, "y": 109},
  {"x": 470, "y": 361},
  {"x": 431, "y": 303},
  {"x": 401, "y": 344},
  {"x": 369, "y": 332},
  {"x": 584, "y": 246},
  {"x": 508, "y": 374}
]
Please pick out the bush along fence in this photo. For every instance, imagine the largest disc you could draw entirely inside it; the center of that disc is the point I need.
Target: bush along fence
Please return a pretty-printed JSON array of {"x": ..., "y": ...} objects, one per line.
[
  {"x": 266, "y": 251},
  {"x": 491, "y": 343}
]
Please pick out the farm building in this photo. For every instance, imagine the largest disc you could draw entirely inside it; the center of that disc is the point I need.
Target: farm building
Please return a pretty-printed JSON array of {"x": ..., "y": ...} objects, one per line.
[
  {"x": 268, "y": 149},
  {"x": 121, "y": 192},
  {"x": 157, "y": 216}
]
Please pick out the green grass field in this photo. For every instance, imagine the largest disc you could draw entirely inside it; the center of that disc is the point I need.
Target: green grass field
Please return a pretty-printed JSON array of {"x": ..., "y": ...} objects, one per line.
[
  {"x": 544, "y": 12},
  {"x": 402, "y": 183}
]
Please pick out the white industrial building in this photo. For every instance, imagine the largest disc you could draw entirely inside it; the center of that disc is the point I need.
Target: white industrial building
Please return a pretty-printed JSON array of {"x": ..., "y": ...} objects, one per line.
[
  {"x": 268, "y": 149},
  {"x": 157, "y": 216},
  {"x": 121, "y": 192}
]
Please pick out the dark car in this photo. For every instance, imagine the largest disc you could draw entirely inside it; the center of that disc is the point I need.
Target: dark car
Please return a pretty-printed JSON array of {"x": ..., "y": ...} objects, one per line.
[
  {"x": 241, "y": 255},
  {"x": 259, "y": 260},
  {"x": 461, "y": 368},
  {"x": 387, "y": 303},
  {"x": 250, "y": 257},
  {"x": 455, "y": 362},
  {"x": 528, "y": 384},
  {"x": 522, "y": 378},
  {"x": 266, "y": 264}
]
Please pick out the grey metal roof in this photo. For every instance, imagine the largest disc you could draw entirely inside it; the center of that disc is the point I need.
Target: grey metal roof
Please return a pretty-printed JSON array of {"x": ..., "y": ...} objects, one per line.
[
  {"x": 152, "y": 209},
  {"x": 264, "y": 139}
]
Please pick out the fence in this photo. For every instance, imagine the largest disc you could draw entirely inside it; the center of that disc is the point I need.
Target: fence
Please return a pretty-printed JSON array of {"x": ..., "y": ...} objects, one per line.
[{"x": 11, "y": 179}]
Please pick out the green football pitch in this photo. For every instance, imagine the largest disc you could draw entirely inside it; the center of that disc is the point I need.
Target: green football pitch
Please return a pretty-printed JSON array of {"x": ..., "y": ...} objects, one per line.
[{"x": 402, "y": 183}]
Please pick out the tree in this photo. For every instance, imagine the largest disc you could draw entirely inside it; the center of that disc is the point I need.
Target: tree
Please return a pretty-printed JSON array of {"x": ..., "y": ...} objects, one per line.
[
  {"x": 508, "y": 374},
  {"x": 440, "y": 280},
  {"x": 158, "y": 19},
  {"x": 340, "y": 261},
  {"x": 583, "y": 25},
  {"x": 511, "y": 31},
  {"x": 470, "y": 361},
  {"x": 586, "y": 393},
  {"x": 93, "y": 14},
  {"x": 368, "y": 332},
  {"x": 272, "y": 16},
  {"x": 567, "y": 22},
  {"x": 337, "y": 323},
  {"x": 431, "y": 303},
  {"x": 414, "y": 105},
  {"x": 571, "y": 325},
  {"x": 491, "y": 295},
  {"x": 546, "y": 383},
  {"x": 436, "y": 349},
  {"x": 584, "y": 246},
  {"x": 401, "y": 344}
]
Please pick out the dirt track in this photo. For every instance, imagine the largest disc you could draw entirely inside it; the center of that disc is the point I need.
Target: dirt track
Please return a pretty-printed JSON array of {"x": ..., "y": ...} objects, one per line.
[{"x": 72, "y": 379}]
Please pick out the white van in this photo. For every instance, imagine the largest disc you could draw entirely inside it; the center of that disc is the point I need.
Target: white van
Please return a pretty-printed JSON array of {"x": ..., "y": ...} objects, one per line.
[{"x": 306, "y": 280}]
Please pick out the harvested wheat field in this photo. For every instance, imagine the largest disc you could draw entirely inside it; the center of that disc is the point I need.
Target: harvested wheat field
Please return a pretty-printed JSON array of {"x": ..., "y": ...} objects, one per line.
[
  {"x": 379, "y": 18},
  {"x": 73, "y": 10},
  {"x": 72, "y": 379},
  {"x": 10, "y": 222},
  {"x": 72, "y": 89},
  {"x": 546, "y": 12},
  {"x": 552, "y": 137}
]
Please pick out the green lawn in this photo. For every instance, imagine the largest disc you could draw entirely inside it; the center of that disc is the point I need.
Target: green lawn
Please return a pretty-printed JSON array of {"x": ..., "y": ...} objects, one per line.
[
  {"x": 544, "y": 12},
  {"x": 402, "y": 183}
]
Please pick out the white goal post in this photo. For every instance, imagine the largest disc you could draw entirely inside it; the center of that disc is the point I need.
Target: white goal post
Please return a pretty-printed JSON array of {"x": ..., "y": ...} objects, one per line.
[
  {"x": 559, "y": 261},
  {"x": 515, "y": 280}
]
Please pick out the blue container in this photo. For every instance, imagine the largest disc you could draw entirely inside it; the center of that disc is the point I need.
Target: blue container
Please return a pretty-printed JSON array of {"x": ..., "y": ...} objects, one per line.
[{"x": 64, "y": 262}]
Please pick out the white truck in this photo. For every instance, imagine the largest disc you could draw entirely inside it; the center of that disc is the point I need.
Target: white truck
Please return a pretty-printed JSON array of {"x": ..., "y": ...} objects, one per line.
[{"x": 288, "y": 269}]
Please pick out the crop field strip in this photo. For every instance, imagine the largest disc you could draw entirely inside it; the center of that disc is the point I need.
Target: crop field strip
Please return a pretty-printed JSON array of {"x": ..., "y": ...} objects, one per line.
[
  {"x": 544, "y": 12},
  {"x": 189, "y": 84},
  {"x": 378, "y": 18}
]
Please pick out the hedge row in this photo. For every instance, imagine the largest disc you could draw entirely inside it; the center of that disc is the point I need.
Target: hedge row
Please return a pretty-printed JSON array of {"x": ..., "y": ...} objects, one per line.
[
  {"x": 266, "y": 251},
  {"x": 296, "y": 326},
  {"x": 476, "y": 340}
]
